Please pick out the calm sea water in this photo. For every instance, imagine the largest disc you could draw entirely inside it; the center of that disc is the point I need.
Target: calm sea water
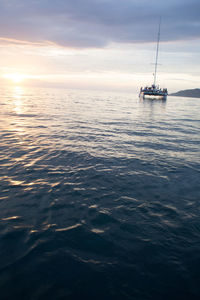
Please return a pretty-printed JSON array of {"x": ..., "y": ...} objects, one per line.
[{"x": 99, "y": 196}]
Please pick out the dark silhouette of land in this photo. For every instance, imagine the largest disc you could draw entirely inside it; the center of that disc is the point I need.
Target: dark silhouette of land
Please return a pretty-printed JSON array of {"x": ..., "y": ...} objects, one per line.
[{"x": 194, "y": 93}]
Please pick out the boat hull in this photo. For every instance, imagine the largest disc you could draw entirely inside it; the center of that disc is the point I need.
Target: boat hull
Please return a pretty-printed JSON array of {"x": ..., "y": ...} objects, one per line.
[{"x": 153, "y": 95}]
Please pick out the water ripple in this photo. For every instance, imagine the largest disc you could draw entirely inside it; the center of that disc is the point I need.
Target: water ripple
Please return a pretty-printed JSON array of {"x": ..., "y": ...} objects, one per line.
[{"x": 99, "y": 197}]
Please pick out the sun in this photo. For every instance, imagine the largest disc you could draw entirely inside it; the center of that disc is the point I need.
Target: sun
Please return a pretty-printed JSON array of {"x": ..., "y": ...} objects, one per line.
[{"x": 15, "y": 77}]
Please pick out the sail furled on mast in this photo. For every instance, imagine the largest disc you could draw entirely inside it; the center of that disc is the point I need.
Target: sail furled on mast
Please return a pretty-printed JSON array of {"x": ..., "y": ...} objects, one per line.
[{"x": 157, "y": 49}]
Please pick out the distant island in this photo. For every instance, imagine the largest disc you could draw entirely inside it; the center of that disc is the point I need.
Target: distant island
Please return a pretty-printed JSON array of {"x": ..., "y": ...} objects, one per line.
[{"x": 194, "y": 93}]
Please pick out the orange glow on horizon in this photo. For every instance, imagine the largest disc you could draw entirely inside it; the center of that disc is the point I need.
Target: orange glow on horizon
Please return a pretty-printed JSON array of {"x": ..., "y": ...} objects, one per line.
[{"x": 16, "y": 77}]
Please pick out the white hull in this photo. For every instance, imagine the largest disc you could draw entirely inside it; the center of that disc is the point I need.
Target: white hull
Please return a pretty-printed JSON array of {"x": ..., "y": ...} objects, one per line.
[{"x": 153, "y": 95}]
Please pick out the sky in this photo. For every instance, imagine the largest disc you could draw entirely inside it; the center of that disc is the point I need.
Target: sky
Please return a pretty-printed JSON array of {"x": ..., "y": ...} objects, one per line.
[{"x": 99, "y": 44}]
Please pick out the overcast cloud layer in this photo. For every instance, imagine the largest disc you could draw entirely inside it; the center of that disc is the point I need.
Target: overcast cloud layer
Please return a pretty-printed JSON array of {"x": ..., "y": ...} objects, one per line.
[{"x": 97, "y": 23}]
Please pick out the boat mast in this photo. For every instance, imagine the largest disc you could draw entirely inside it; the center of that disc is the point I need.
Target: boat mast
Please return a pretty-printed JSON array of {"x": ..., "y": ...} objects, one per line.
[{"x": 156, "y": 63}]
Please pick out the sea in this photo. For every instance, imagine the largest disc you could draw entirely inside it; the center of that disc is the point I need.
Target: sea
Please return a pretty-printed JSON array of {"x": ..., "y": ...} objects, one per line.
[{"x": 99, "y": 196}]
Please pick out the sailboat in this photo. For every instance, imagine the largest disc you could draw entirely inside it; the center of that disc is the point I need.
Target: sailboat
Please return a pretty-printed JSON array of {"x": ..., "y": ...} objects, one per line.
[{"x": 154, "y": 91}]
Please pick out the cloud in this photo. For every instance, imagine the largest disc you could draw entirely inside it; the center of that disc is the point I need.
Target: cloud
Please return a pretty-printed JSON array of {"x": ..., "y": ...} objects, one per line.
[{"x": 97, "y": 23}]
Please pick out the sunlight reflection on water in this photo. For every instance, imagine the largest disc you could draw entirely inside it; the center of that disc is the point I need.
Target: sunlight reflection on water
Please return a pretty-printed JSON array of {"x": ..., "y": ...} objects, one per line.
[{"x": 98, "y": 187}]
